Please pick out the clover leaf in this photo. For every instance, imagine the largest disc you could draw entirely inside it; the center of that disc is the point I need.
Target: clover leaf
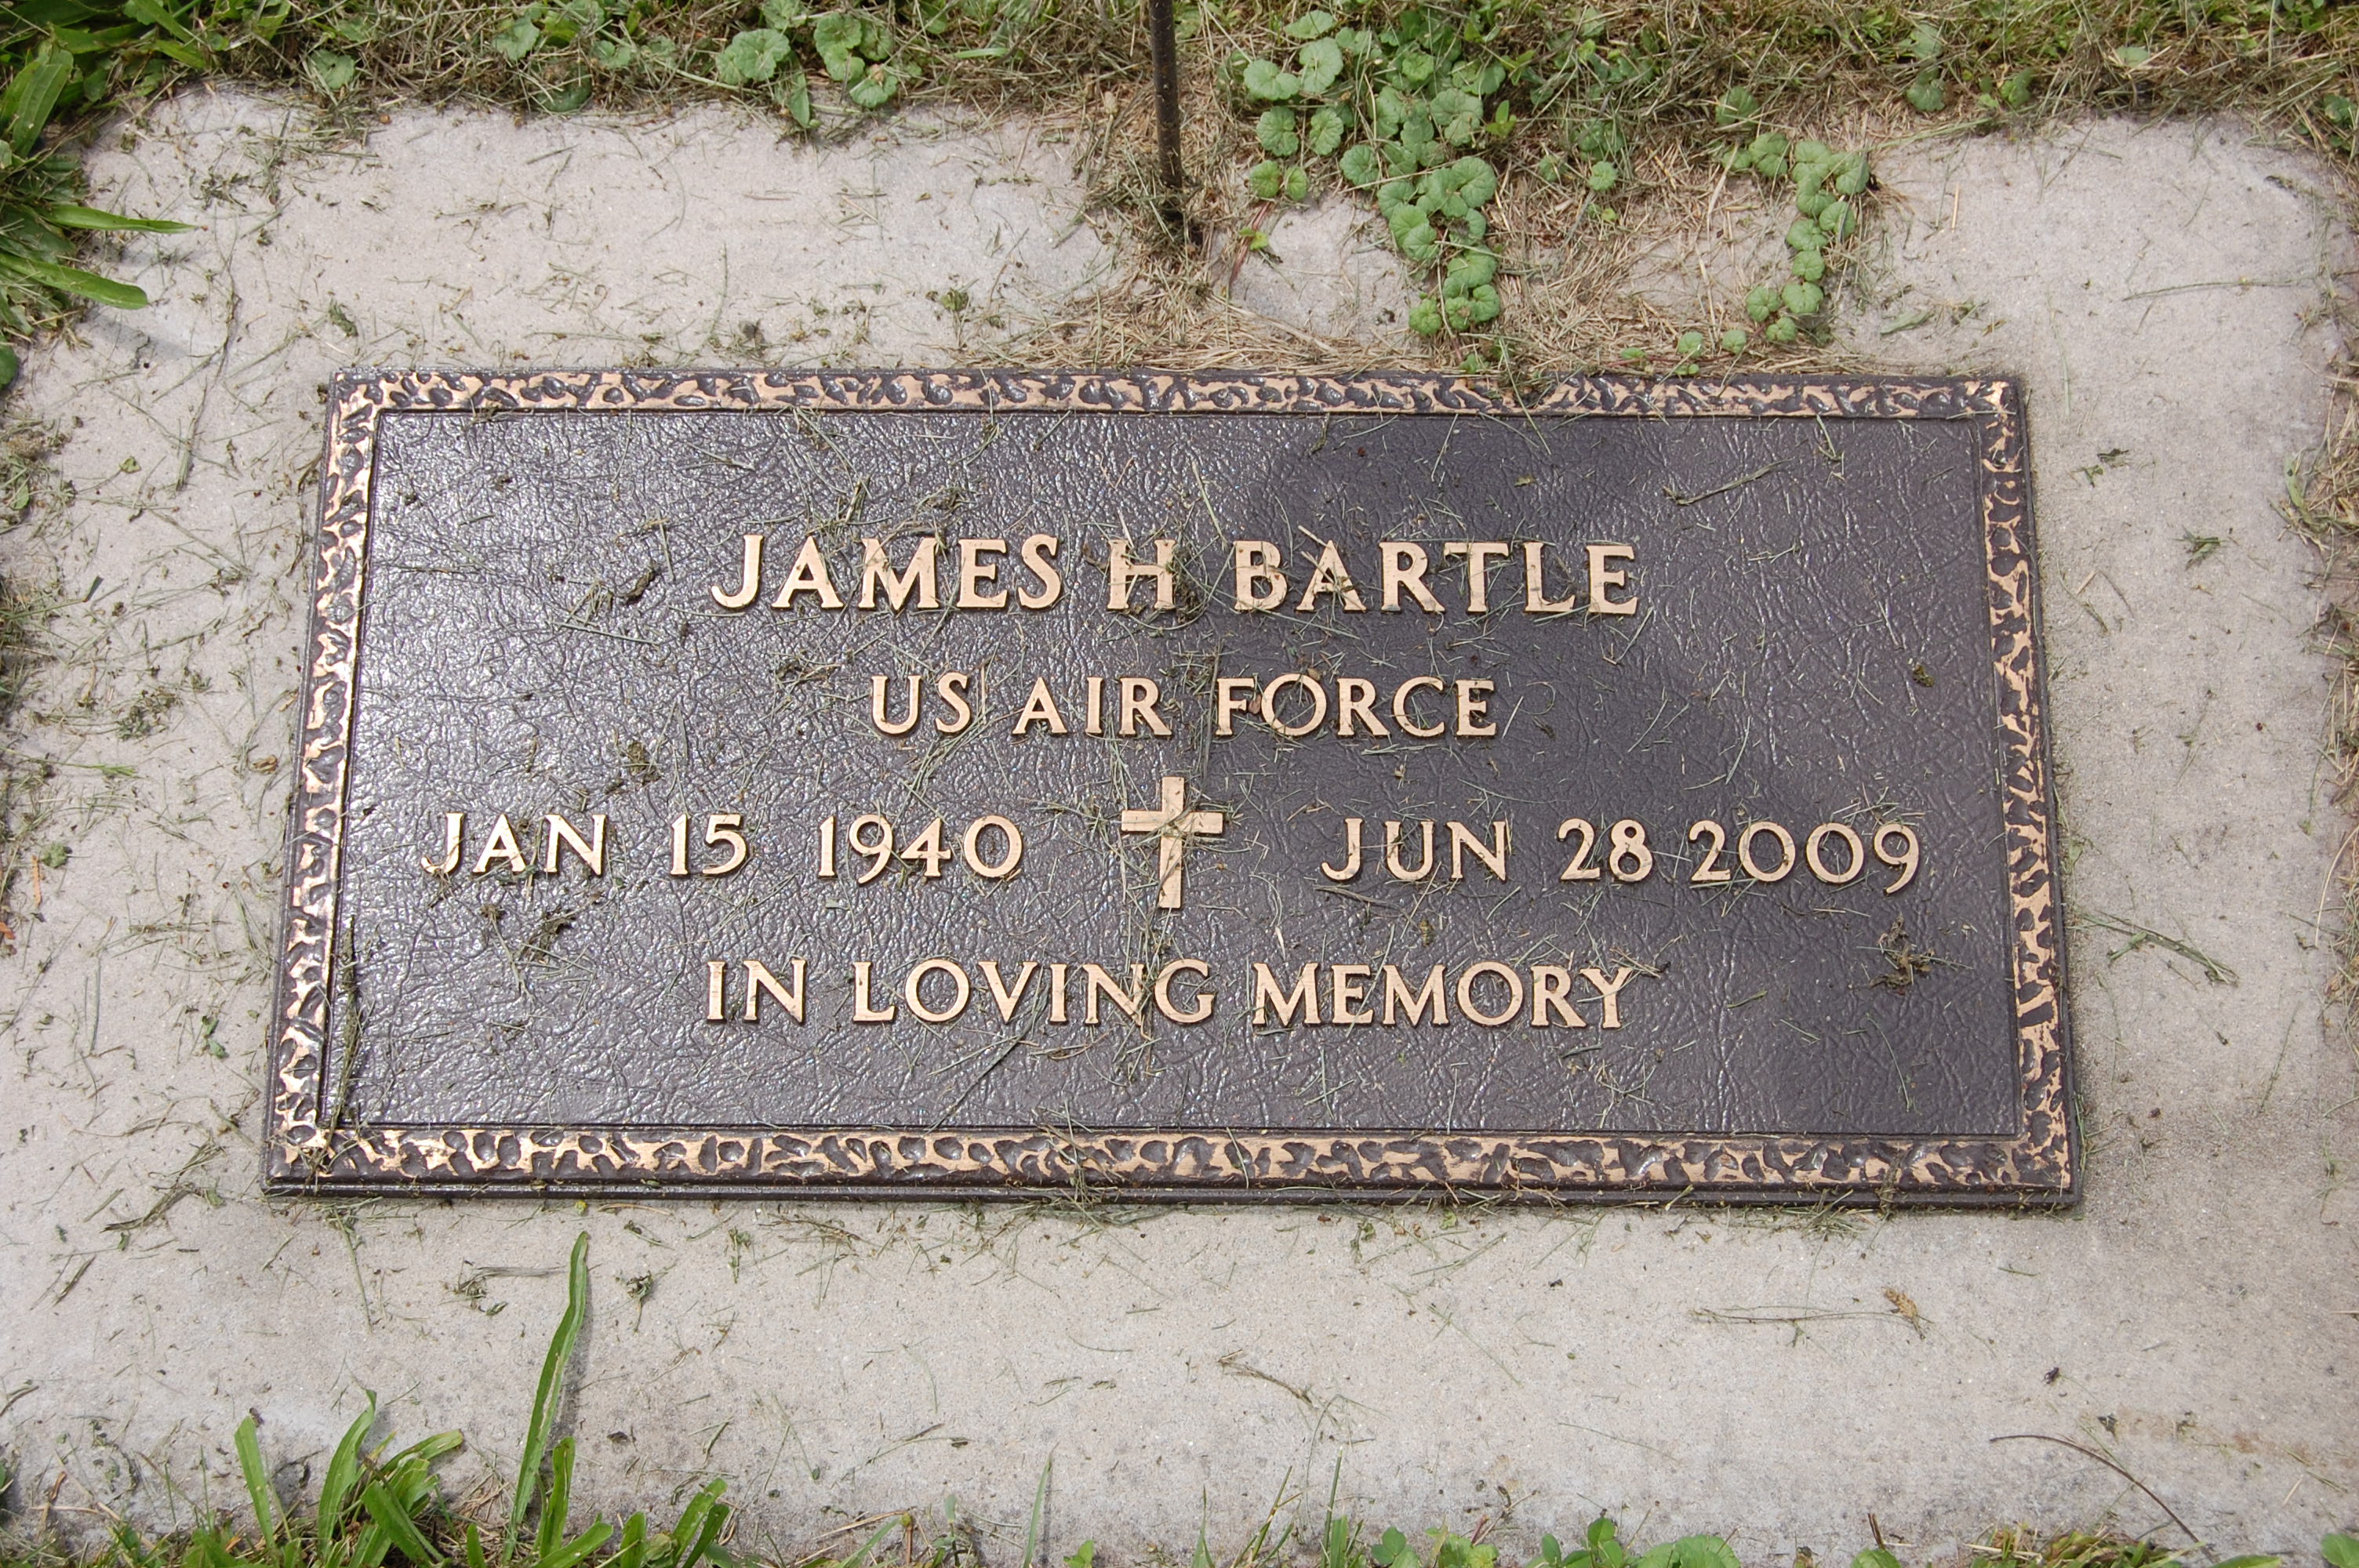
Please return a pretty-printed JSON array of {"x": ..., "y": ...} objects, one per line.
[
  {"x": 516, "y": 40},
  {"x": 330, "y": 71},
  {"x": 752, "y": 56},
  {"x": 1321, "y": 62},
  {"x": 1264, "y": 81},
  {"x": 1457, "y": 115},
  {"x": 875, "y": 88},
  {"x": 1414, "y": 67},
  {"x": 838, "y": 38}
]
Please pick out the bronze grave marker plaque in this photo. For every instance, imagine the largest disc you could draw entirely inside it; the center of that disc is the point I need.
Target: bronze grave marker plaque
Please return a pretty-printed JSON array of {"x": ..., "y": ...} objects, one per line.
[{"x": 954, "y": 784}]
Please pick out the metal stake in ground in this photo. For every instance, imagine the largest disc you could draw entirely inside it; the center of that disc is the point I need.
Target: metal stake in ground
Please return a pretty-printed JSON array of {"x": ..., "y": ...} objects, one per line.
[{"x": 1164, "y": 45}]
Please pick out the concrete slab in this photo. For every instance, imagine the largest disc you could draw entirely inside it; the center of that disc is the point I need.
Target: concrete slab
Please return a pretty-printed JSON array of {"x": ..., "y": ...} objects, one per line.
[
  {"x": 1779, "y": 1375},
  {"x": 1328, "y": 270}
]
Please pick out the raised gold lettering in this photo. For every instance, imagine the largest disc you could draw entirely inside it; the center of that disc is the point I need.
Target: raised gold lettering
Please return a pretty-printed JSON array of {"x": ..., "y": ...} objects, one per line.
[
  {"x": 1426, "y": 996},
  {"x": 1392, "y": 855},
  {"x": 454, "y": 829},
  {"x": 1231, "y": 694},
  {"x": 1478, "y": 554},
  {"x": 918, "y": 577},
  {"x": 749, "y": 587},
  {"x": 1514, "y": 982},
  {"x": 720, "y": 829},
  {"x": 1329, "y": 577},
  {"x": 951, "y": 687},
  {"x": 1493, "y": 855},
  {"x": 1603, "y": 577},
  {"x": 1347, "y": 988},
  {"x": 1405, "y": 565},
  {"x": 759, "y": 981},
  {"x": 1140, "y": 695},
  {"x": 1169, "y": 1009},
  {"x": 1351, "y": 868},
  {"x": 978, "y": 578},
  {"x": 1040, "y": 708},
  {"x": 1536, "y": 598},
  {"x": 502, "y": 846},
  {"x": 1303, "y": 999},
  {"x": 1259, "y": 584},
  {"x": 1039, "y": 555},
  {"x": 559, "y": 834},
  {"x": 1400, "y": 706},
  {"x": 1269, "y": 705},
  {"x": 1610, "y": 993},
  {"x": 1473, "y": 707},
  {"x": 810, "y": 576},
  {"x": 1121, "y": 571},
  {"x": 878, "y": 688},
  {"x": 1007, "y": 1000},
  {"x": 912, "y": 992},
  {"x": 864, "y": 1010},
  {"x": 1356, "y": 702},
  {"x": 1552, "y": 992},
  {"x": 1096, "y": 982}
]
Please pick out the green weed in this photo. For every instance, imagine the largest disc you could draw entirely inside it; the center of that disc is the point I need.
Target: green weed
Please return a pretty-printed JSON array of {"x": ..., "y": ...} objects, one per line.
[{"x": 377, "y": 1507}]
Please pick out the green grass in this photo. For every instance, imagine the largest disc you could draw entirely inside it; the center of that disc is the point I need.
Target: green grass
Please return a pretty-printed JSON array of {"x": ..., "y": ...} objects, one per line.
[
  {"x": 379, "y": 1506},
  {"x": 1419, "y": 104}
]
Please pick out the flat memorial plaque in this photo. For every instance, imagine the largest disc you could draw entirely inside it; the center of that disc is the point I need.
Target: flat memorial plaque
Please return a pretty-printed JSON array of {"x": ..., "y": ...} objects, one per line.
[{"x": 950, "y": 783}]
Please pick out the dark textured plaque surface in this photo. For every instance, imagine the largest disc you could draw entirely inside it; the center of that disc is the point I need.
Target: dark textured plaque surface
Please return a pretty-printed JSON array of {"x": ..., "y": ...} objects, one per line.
[{"x": 515, "y": 615}]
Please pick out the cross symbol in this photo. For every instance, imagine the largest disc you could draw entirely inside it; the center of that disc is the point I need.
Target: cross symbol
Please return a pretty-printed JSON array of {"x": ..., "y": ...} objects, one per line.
[{"x": 1174, "y": 824}]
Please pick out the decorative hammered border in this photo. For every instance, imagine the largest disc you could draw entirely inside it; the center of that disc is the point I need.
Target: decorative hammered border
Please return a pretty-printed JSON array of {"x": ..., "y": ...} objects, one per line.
[{"x": 2038, "y": 1165}]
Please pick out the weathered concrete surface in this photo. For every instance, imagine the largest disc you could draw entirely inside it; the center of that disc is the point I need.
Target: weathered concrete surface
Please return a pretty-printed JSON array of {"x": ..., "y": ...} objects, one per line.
[
  {"x": 1777, "y": 1375},
  {"x": 1329, "y": 271}
]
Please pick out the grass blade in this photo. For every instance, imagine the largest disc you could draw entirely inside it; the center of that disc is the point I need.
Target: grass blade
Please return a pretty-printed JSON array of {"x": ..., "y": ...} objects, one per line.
[
  {"x": 1039, "y": 1500},
  {"x": 700, "y": 1526},
  {"x": 93, "y": 218},
  {"x": 32, "y": 94},
  {"x": 127, "y": 1542},
  {"x": 74, "y": 281},
  {"x": 560, "y": 1503},
  {"x": 580, "y": 1547},
  {"x": 206, "y": 1551},
  {"x": 343, "y": 1474},
  {"x": 398, "y": 1527},
  {"x": 257, "y": 1481},
  {"x": 634, "y": 1551},
  {"x": 869, "y": 1545},
  {"x": 475, "y": 1546},
  {"x": 545, "y": 1399}
]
